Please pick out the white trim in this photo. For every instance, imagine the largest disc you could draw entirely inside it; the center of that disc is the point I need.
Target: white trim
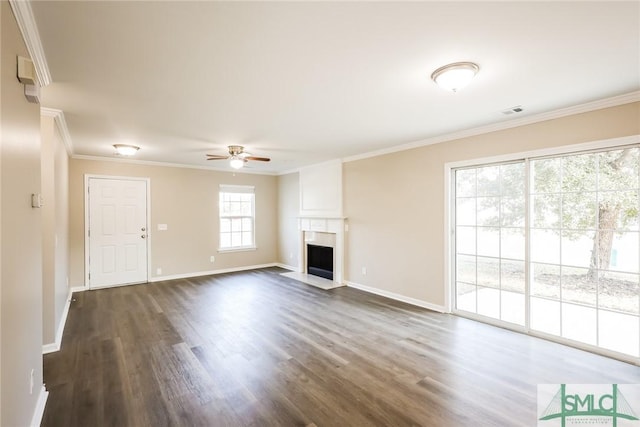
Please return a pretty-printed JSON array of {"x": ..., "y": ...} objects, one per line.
[
  {"x": 38, "y": 411},
  {"x": 548, "y": 337},
  {"x": 55, "y": 346},
  {"x": 449, "y": 247},
  {"x": 331, "y": 204},
  {"x": 614, "y": 101},
  {"x": 211, "y": 272},
  {"x": 449, "y": 256},
  {"x": 79, "y": 289},
  {"x": 88, "y": 177},
  {"x": 61, "y": 123},
  {"x": 290, "y": 171},
  {"x": 238, "y": 249},
  {"x": 50, "y": 348},
  {"x": 29, "y": 30},
  {"x": 119, "y": 285},
  {"x": 397, "y": 297},
  {"x": 586, "y": 347},
  {"x": 550, "y": 151},
  {"x": 169, "y": 165},
  {"x": 550, "y": 115},
  {"x": 244, "y": 189},
  {"x": 287, "y": 267}
]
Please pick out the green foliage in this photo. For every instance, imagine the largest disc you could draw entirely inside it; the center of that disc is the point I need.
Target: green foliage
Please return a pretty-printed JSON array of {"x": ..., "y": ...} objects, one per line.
[
  {"x": 575, "y": 190},
  {"x": 569, "y": 192}
]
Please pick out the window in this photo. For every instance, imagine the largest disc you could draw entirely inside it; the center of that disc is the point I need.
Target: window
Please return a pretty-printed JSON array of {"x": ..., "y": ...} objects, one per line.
[
  {"x": 237, "y": 217},
  {"x": 561, "y": 259}
]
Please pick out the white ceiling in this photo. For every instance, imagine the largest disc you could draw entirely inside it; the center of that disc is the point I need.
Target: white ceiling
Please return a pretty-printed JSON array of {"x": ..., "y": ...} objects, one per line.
[{"x": 305, "y": 82}]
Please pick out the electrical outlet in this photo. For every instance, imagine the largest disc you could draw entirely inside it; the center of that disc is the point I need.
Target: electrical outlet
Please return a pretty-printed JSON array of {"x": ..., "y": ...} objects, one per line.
[
  {"x": 158, "y": 271},
  {"x": 212, "y": 259},
  {"x": 290, "y": 255},
  {"x": 31, "y": 382},
  {"x": 364, "y": 271}
]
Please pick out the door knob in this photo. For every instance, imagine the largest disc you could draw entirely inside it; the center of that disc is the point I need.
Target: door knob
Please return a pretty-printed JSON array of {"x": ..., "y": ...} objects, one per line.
[
  {"x": 143, "y": 236},
  {"x": 143, "y": 229}
]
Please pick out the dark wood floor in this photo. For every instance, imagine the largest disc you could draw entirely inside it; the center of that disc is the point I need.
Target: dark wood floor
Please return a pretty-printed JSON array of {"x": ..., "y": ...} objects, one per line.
[{"x": 257, "y": 349}]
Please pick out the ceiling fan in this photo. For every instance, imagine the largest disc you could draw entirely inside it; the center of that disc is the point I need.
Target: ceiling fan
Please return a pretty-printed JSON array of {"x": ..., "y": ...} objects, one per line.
[{"x": 237, "y": 156}]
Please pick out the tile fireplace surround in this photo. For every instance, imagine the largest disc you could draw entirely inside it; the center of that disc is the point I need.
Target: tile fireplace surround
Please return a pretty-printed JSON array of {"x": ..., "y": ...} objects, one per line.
[{"x": 323, "y": 232}]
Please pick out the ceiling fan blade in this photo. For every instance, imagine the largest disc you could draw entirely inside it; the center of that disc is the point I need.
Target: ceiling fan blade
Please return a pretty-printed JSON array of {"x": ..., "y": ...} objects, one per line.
[
  {"x": 259, "y": 159},
  {"x": 216, "y": 157}
]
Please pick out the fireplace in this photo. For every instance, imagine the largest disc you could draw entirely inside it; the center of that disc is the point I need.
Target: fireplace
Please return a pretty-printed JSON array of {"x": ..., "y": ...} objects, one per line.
[
  {"x": 321, "y": 256},
  {"x": 320, "y": 261}
]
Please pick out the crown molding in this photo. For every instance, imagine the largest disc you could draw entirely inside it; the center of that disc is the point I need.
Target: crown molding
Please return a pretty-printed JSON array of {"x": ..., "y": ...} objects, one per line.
[
  {"x": 614, "y": 101},
  {"x": 61, "y": 124},
  {"x": 27, "y": 25},
  {"x": 290, "y": 171},
  {"x": 168, "y": 165}
]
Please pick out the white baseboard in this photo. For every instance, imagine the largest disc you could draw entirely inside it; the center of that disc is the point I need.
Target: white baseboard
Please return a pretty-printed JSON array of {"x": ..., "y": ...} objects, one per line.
[
  {"x": 79, "y": 289},
  {"x": 55, "y": 346},
  {"x": 208, "y": 273},
  {"x": 50, "y": 348},
  {"x": 287, "y": 267},
  {"x": 398, "y": 297},
  {"x": 38, "y": 412}
]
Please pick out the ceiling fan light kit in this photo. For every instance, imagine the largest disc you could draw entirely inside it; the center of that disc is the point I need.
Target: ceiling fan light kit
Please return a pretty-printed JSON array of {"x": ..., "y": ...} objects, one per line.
[
  {"x": 236, "y": 162},
  {"x": 237, "y": 157},
  {"x": 126, "y": 149},
  {"x": 455, "y": 76}
]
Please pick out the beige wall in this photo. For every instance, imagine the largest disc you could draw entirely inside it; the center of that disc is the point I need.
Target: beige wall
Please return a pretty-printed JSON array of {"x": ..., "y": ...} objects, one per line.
[
  {"x": 47, "y": 135},
  {"x": 395, "y": 203},
  {"x": 21, "y": 247},
  {"x": 187, "y": 201},
  {"x": 61, "y": 180},
  {"x": 55, "y": 228},
  {"x": 288, "y": 212}
]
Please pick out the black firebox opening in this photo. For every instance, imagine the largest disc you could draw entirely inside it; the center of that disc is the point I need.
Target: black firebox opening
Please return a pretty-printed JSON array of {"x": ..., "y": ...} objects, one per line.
[{"x": 320, "y": 261}]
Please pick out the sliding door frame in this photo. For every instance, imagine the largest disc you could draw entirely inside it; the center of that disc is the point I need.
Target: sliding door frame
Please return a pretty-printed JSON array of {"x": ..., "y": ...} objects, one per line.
[{"x": 449, "y": 235}]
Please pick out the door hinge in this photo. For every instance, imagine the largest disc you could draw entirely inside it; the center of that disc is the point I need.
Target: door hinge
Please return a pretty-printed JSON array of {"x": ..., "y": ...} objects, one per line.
[{"x": 89, "y": 233}]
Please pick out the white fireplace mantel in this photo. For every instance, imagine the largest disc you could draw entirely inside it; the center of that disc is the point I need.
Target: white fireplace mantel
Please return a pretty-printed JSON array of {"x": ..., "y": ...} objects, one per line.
[
  {"x": 321, "y": 212},
  {"x": 335, "y": 226}
]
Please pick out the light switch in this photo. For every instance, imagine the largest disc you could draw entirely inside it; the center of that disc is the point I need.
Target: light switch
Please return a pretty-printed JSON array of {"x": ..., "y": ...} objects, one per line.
[
  {"x": 162, "y": 227},
  {"x": 36, "y": 200}
]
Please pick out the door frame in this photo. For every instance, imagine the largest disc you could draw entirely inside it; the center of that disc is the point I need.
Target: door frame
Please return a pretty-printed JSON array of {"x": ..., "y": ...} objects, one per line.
[
  {"x": 87, "y": 178},
  {"x": 449, "y": 234}
]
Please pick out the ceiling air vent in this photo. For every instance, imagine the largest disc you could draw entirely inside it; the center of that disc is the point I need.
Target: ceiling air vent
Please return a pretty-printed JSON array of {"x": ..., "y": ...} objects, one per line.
[{"x": 512, "y": 110}]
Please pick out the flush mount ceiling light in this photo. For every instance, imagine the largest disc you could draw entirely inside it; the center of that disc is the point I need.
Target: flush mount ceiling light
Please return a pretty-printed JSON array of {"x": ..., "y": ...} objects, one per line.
[
  {"x": 455, "y": 76},
  {"x": 125, "y": 149},
  {"x": 236, "y": 162}
]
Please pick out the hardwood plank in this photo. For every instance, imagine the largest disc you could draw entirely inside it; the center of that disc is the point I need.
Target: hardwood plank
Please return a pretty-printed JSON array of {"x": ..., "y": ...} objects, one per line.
[{"x": 258, "y": 349}]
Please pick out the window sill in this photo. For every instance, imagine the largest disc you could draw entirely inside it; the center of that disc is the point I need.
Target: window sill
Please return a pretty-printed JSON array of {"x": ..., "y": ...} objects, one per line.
[{"x": 240, "y": 249}]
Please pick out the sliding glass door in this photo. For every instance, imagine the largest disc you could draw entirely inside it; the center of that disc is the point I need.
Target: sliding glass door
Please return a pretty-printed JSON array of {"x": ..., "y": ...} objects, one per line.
[
  {"x": 490, "y": 241},
  {"x": 579, "y": 276}
]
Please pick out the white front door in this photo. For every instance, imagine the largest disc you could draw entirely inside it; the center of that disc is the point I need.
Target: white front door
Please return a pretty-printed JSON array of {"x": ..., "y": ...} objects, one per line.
[{"x": 117, "y": 232}]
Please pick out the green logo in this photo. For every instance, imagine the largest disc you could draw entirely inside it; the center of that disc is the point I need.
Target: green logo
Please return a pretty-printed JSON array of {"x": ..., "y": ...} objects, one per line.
[{"x": 584, "y": 406}]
